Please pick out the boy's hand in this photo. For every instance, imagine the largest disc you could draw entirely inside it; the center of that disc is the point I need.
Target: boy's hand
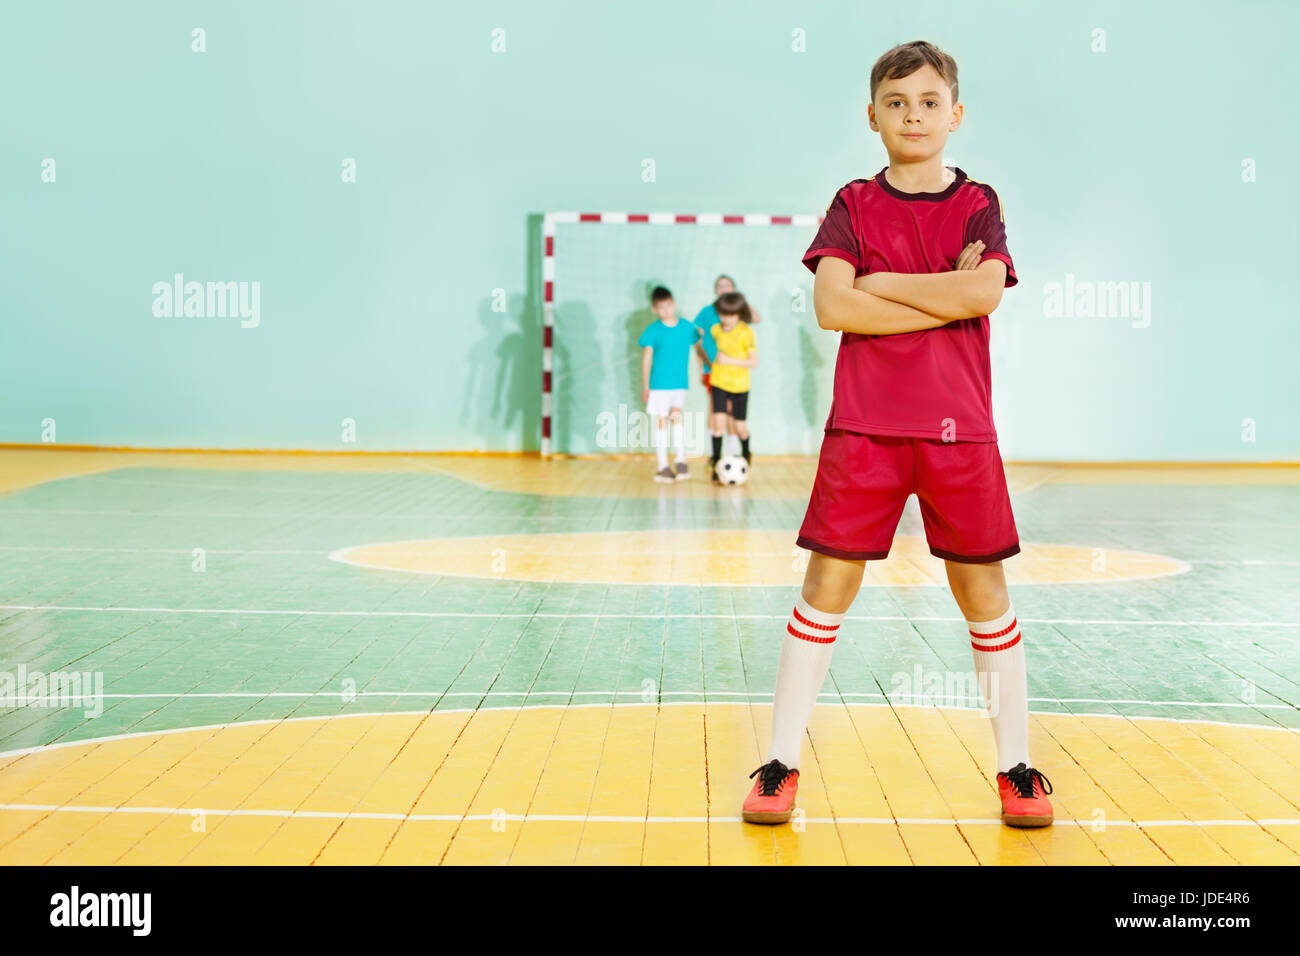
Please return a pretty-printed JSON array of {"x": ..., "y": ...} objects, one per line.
[
  {"x": 645, "y": 396},
  {"x": 970, "y": 256},
  {"x": 969, "y": 259}
]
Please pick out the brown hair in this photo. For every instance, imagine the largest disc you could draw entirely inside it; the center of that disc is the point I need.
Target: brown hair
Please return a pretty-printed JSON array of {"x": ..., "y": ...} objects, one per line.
[
  {"x": 906, "y": 58},
  {"x": 732, "y": 303}
]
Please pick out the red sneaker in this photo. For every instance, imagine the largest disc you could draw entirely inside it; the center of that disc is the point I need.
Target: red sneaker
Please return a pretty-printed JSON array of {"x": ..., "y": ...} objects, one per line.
[
  {"x": 772, "y": 798},
  {"x": 1024, "y": 797}
]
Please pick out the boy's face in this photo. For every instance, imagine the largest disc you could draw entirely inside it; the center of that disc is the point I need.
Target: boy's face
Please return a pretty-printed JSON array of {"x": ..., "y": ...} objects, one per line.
[
  {"x": 914, "y": 115},
  {"x": 723, "y": 285},
  {"x": 666, "y": 309},
  {"x": 728, "y": 322}
]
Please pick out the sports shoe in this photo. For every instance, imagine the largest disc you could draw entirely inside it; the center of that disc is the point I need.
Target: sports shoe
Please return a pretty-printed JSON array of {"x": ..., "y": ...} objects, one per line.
[
  {"x": 682, "y": 471},
  {"x": 772, "y": 798},
  {"x": 665, "y": 474},
  {"x": 1024, "y": 797}
]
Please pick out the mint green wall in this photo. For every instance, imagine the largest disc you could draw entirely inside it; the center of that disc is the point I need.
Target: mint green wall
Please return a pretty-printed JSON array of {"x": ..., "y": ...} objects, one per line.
[{"x": 376, "y": 297}]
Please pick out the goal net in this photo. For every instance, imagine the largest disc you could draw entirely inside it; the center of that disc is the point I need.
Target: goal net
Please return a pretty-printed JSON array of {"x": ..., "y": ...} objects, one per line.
[{"x": 598, "y": 272}]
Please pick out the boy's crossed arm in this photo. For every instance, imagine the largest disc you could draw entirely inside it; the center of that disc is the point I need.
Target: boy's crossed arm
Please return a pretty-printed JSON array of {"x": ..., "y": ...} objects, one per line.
[
  {"x": 972, "y": 289},
  {"x": 889, "y": 303}
]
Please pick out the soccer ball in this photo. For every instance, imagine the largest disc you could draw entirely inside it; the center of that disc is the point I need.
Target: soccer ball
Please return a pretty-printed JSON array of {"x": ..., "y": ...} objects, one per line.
[{"x": 733, "y": 470}]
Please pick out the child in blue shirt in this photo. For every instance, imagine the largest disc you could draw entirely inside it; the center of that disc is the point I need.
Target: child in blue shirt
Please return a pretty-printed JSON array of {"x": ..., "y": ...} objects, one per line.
[{"x": 665, "y": 373}]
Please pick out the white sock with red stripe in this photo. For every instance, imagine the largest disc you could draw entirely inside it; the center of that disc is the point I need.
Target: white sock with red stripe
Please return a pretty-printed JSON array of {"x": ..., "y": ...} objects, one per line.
[
  {"x": 805, "y": 659},
  {"x": 1000, "y": 665}
]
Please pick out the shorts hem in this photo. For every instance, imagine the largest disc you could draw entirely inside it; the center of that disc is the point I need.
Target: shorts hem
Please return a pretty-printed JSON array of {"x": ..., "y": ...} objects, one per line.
[
  {"x": 976, "y": 558},
  {"x": 892, "y": 431},
  {"x": 810, "y": 545}
]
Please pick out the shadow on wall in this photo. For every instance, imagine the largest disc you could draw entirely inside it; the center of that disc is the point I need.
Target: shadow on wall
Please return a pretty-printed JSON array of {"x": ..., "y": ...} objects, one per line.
[
  {"x": 597, "y": 363},
  {"x": 604, "y": 365},
  {"x": 810, "y": 402},
  {"x": 636, "y": 322},
  {"x": 577, "y": 383},
  {"x": 503, "y": 393},
  {"x": 504, "y": 384}
]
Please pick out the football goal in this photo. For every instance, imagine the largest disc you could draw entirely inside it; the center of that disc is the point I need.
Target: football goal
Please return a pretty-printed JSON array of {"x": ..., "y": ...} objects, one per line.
[{"x": 598, "y": 271}]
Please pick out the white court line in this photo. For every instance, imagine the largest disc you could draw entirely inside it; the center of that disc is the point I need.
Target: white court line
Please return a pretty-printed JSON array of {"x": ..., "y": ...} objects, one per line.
[
  {"x": 22, "y": 547},
  {"x": 317, "y": 551},
  {"x": 303, "y": 612},
  {"x": 1160, "y": 522},
  {"x": 1046, "y": 478},
  {"x": 188, "y": 486},
  {"x": 695, "y": 697},
  {"x": 580, "y": 818},
  {"x": 244, "y": 489},
  {"x": 341, "y": 555},
  {"x": 232, "y": 724},
  {"x": 572, "y": 552},
  {"x": 281, "y": 514},
  {"x": 448, "y": 474},
  {"x": 583, "y": 552},
  {"x": 399, "y": 516}
]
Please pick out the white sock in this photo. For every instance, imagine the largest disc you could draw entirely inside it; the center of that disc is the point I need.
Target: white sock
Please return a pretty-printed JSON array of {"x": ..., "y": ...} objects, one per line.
[
  {"x": 733, "y": 443},
  {"x": 805, "y": 659},
  {"x": 679, "y": 440},
  {"x": 1000, "y": 665},
  {"x": 661, "y": 447}
]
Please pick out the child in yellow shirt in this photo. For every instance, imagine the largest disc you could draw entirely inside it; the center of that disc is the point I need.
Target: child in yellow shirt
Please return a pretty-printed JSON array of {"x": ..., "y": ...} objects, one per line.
[{"x": 729, "y": 377}]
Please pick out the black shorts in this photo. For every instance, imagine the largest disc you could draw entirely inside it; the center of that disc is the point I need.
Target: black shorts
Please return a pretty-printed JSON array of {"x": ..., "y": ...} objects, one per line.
[{"x": 738, "y": 400}]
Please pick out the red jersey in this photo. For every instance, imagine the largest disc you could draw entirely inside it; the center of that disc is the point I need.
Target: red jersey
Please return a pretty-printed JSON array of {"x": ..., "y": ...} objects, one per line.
[{"x": 934, "y": 383}]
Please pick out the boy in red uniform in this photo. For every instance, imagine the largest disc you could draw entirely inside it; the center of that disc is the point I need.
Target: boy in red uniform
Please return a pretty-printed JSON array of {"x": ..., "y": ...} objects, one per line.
[{"x": 908, "y": 266}]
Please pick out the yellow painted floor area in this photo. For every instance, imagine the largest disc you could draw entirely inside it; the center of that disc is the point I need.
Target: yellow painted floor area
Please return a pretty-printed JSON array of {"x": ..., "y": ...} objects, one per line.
[
  {"x": 648, "y": 784},
  {"x": 739, "y": 558}
]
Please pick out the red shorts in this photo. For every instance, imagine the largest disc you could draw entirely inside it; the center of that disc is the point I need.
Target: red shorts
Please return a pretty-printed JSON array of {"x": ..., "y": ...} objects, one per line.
[{"x": 863, "y": 481}]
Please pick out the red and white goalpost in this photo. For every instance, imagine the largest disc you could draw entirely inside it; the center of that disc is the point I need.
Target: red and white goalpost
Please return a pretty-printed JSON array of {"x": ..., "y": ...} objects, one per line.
[{"x": 551, "y": 219}]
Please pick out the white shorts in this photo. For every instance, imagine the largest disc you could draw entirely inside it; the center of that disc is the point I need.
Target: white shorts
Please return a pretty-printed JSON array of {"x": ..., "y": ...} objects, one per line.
[{"x": 663, "y": 399}]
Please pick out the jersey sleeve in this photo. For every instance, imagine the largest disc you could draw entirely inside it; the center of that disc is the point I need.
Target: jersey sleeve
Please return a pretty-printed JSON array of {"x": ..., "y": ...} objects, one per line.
[
  {"x": 648, "y": 337},
  {"x": 987, "y": 224},
  {"x": 835, "y": 237},
  {"x": 751, "y": 342}
]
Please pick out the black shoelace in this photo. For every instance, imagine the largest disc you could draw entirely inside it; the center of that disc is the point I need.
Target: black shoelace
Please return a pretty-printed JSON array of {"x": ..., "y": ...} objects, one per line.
[
  {"x": 770, "y": 777},
  {"x": 1022, "y": 779}
]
